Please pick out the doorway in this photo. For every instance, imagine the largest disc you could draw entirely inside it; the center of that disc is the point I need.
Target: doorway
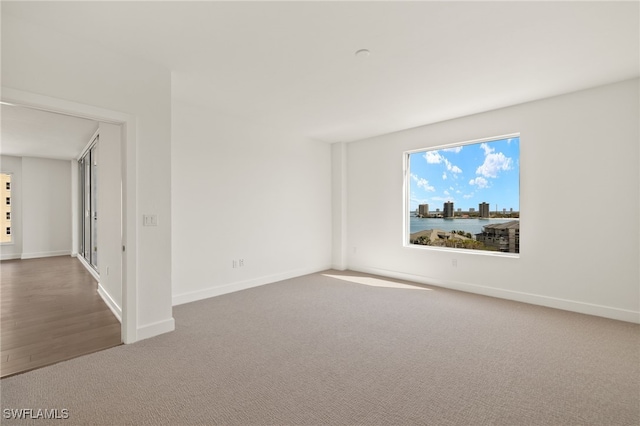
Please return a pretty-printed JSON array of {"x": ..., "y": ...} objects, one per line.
[
  {"x": 53, "y": 307},
  {"x": 126, "y": 191}
]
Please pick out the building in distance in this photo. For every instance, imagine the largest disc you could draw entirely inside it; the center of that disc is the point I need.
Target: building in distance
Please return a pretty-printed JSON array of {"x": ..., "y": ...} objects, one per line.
[
  {"x": 448, "y": 210},
  {"x": 423, "y": 210},
  {"x": 484, "y": 210}
]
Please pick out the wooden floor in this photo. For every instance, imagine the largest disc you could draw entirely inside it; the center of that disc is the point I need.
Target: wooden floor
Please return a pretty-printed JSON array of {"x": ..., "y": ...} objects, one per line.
[{"x": 51, "y": 312}]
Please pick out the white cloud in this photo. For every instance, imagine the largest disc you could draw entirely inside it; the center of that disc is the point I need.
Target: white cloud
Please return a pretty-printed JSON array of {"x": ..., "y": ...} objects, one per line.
[
  {"x": 467, "y": 196},
  {"x": 480, "y": 182},
  {"x": 444, "y": 175},
  {"x": 446, "y": 193},
  {"x": 415, "y": 200},
  {"x": 455, "y": 150},
  {"x": 487, "y": 149},
  {"x": 493, "y": 163},
  {"x": 422, "y": 183},
  {"x": 433, "y": 157}
]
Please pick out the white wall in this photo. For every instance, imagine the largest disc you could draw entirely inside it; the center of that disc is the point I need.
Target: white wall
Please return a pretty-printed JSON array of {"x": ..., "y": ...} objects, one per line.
[
  {"x": 13, "y": 165},
  {"x": 244, "y": 191},
  {"x": 339, "y": 206},
  {"x": 43, "y": 62},
  {"x": 41, "y": 210},
  {"x": 75, "y": 208},
  {"x": 579, "y": 204},
  {"x": 46, "y": 207},
  {"x": 109, "y": 216}
]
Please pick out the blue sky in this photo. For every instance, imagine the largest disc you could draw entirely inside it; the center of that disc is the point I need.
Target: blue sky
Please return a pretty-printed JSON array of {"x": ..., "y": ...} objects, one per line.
[{"x": 467, "y": 175}]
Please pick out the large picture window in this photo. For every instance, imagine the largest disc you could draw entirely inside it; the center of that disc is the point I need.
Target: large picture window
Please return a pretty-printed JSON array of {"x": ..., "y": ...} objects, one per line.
[{"x": 465, "y": 196}]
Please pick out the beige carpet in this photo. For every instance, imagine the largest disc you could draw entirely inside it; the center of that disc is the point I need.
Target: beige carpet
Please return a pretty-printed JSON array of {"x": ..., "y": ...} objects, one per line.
[{"x": 352, "y": 350}]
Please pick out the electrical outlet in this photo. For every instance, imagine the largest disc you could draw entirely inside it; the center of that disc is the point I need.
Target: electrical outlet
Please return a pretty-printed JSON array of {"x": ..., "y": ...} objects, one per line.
[
  {"x": 234, "y": 264},
  {"x": 241, "y": 263}
]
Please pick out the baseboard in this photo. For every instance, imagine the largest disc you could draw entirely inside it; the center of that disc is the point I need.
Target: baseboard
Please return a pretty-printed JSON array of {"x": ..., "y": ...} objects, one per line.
[
  {"x": 89, "y": 268},
  {"x": 534, "y": 299},
  {"x": 11, "y": 256},
  {"x": 155, "y": 329},
  {"x": 339, "y": 267},
  {"x": 117, "y": 310},
  {"x": 45, "y": 254},
  {"x": 194, "y": 296}
]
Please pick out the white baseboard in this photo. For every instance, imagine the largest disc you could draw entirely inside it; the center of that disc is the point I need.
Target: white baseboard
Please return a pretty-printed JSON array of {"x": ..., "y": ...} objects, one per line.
[
  {"x": 11, "y": 256},
  {"x": 534, "y": 299},
  {"x": 89, "y": 268},
  {"x": 117, "y": 310},
  {"x": 45, "y": 254},
  {"x": 155, "y": 329},
  {"x": 206, "y": 293}
]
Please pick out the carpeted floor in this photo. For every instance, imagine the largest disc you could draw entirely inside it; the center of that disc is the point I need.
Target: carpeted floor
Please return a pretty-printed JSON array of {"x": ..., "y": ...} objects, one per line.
[{"x": 346, "y": 348}]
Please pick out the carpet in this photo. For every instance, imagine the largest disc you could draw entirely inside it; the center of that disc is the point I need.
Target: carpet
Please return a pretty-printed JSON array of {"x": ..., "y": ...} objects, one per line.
[{"x": 343, "y": 348}]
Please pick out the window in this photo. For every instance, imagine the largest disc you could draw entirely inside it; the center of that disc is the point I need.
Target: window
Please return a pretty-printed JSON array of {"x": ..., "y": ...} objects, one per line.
[
  {"x": 5, "y": 193},
  {"x": 465, "y": 196}
]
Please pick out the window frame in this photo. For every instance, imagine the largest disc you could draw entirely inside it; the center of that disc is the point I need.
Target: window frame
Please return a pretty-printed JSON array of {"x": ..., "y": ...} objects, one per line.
[
  {"x": 406, "y": 197},
  {"x": 8, "y": 227}
]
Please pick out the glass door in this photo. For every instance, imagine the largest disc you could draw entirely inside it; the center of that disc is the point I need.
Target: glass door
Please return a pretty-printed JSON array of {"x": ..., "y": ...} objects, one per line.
[
  {"x": 88, "y": 165},
  {"x": 94, "y": 206}
]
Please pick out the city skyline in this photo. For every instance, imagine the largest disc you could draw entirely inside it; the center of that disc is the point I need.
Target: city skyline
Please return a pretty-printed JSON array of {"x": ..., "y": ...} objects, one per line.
[{"x": 467, "y": 175}]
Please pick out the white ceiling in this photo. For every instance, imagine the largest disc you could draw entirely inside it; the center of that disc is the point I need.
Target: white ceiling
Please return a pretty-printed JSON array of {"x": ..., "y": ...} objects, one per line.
[
  {"x": 30, "y": 132},
  {"x": 292, "y": 64}
]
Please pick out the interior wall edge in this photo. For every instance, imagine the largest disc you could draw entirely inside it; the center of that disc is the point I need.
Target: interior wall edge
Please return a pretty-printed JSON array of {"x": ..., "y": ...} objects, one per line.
[{"x": 108, "y": 300}]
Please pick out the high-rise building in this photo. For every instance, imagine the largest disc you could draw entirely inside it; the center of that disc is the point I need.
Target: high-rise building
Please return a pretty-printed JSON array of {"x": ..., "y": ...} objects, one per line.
[
  {"x": 484, "y": 209},
  {"x": 423, "y": 210},
  {"x": 448, "y": 210}
]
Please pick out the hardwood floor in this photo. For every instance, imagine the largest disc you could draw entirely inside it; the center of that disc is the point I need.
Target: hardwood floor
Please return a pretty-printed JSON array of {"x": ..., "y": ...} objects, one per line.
[{"x": 51, "y": 312}]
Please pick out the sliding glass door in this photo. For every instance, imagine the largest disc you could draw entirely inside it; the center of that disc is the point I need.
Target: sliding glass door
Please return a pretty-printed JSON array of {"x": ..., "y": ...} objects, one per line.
[{"x": 88, "y": 165}]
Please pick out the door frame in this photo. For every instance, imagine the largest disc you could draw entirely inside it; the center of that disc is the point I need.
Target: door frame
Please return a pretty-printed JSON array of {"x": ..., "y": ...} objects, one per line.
[{"x": 129, "y": 325}]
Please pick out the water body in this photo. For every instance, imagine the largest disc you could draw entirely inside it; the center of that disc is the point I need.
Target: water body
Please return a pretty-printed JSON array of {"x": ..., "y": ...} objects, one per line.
[{"x": 474, "y": 226}]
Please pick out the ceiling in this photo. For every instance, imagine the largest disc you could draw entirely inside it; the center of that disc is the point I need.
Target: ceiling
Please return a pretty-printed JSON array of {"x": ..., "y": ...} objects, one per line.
[
  {"x": 293, "y": 64},
  {"x": 28, "y": 132}
]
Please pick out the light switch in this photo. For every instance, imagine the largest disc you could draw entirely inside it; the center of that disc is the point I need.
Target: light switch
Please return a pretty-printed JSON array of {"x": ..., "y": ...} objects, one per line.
[{"x": 150, "y": 220}]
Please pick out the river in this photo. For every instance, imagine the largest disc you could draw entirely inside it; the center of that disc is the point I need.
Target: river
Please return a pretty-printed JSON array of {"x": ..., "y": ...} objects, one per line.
[{"x": 474, "y": 226}]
